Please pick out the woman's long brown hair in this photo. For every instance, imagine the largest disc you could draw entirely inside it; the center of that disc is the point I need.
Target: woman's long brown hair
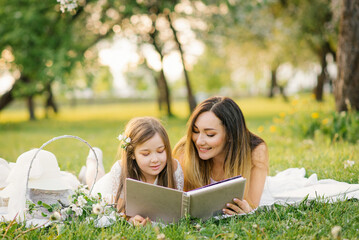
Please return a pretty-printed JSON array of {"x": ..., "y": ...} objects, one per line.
[{"x": 240, "y": 143}]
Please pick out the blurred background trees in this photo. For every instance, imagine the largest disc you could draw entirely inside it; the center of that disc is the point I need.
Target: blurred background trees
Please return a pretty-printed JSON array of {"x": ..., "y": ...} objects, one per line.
[{"x": 178, "y": 49}]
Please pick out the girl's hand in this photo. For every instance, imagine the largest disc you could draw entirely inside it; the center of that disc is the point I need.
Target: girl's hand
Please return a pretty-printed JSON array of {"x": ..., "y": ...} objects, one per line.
[
  {"x": 238, "y": 207},
  {"x": 139, "y": 220}
]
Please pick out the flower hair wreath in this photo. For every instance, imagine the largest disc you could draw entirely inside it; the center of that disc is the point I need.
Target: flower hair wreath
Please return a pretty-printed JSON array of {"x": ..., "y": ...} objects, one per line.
[{"x": 125, "y": 141}]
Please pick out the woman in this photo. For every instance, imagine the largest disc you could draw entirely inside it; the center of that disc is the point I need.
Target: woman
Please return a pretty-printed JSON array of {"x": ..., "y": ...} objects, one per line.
[{"x": 218, "y": 145}]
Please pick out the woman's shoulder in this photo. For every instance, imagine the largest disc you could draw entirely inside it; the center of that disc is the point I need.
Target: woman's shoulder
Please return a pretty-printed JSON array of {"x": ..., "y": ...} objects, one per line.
[{"x": 260, "y": 154}]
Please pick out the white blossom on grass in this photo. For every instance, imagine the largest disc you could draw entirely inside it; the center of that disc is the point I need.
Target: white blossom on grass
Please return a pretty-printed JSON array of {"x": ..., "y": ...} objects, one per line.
[
  {"x": 81, "y": 201},
  {"x": 64, "y": 213},
  {"x": 56, "y": 216},
  {"x": 348, "y": 163},
  {"x": 97, "y": 209},
  {"x": 78, "y": 211}
]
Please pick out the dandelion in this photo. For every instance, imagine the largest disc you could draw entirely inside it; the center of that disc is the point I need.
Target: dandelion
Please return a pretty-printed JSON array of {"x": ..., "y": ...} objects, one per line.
[
  {"x": 272, "y": 129},
  {"x": 336, "y": 231},
  {"x": 161, "y": 236},
  {"x": 348, "y": 163},
  {"x": 97, "y": 209},
  {"x": 315, "y": 115},
  {"x": 282, "y": 114},
  {"x": 56, "y": 216},
  {"x": 260, "y": 129},
  {"x": 325, "y": 121}
]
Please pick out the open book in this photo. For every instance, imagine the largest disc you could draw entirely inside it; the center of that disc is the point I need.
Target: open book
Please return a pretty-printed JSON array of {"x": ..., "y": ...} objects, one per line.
[{"x": 169, "y": 205}]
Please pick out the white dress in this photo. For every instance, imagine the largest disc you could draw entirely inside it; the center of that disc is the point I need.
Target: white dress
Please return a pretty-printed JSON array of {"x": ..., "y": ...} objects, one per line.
[{"x": 108, "y": 184}]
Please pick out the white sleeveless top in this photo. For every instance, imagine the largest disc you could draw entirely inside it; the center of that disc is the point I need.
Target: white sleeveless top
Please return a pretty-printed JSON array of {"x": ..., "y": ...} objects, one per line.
[{"x": 108, "y": 184}]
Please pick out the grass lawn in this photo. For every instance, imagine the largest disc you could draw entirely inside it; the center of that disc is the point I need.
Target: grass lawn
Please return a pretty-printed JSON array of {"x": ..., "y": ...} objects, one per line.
[{"x": 101, "y": 124}]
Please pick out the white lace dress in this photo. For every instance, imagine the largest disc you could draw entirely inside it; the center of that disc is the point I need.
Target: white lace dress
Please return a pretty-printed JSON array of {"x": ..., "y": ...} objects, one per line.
[{"x": 108, "y": 184}]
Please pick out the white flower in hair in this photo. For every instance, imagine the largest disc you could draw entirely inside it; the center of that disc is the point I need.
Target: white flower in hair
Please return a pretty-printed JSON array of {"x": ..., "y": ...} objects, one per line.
[{"x": 125, "y": 141}]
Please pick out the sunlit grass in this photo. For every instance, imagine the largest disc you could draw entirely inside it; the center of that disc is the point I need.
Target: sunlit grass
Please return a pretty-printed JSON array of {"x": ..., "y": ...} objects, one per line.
[{"x": 100, "y": 124}]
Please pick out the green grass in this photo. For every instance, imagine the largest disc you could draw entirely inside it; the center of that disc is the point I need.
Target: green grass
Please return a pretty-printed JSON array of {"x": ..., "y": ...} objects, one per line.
[{"x": 101, "y": 124}]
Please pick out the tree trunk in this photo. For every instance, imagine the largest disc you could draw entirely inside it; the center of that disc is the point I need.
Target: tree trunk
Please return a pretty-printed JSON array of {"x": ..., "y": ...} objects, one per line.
[
  {"x": 323, "y": 76},
  {"x": 6, "y": 99},
  {"x": 163, "y": 89},
  {"x": 191, "y": 100},
  {"x": 346, "y": 86},
  {"x": 165, "y": 95},
  {"x": 50, "y": 101},
  {"x": 31, "y": 107},
  {"x": 274, "y": 85},
  {"x": 273, "y": 82}
]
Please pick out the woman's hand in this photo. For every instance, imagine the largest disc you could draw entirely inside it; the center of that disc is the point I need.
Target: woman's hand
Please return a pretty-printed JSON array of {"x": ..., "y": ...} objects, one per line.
[
  {"x": 139, "y": 221},
  {"x": 237, "y": 207}
]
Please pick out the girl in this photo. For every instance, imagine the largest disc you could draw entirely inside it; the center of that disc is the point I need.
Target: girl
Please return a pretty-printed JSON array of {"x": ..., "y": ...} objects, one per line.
[
  {"x": 145, "y": 155},
  {"x": 218, "y": 145}
]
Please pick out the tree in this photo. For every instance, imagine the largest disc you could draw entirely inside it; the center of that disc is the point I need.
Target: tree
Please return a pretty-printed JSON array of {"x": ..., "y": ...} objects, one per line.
[
  {"x": 346, "y": 86},
  {"x": 47, "y": 45},
  {"x": 318, "y": 29}
]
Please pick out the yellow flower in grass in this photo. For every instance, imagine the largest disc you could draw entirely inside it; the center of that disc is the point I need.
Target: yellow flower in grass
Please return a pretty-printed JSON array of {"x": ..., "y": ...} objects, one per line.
[
  {"x": 315, "y": 115},
  {"x": 277, "y": 120},
  {"x": 295, "y": 102},
  {"x": 260, "y": 129},
  {"x": 325, "y": 121},
  {"x": 282, "y": 114},
  {"x": 272, "y": 129}
]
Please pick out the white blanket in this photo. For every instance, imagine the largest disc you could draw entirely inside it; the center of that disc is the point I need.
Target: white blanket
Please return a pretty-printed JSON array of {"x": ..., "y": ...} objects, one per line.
[{"x": 291, "y": 186}]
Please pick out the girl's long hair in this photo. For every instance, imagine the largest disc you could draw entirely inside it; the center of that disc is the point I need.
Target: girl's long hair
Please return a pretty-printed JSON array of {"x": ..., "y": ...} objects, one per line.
[
  {"x": 141, "y": 130},
  {"x": 240, "y": 143}
]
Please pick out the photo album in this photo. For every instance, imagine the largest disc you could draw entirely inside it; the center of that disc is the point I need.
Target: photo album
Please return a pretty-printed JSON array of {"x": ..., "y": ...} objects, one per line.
[{"x": 168, "y": 205}]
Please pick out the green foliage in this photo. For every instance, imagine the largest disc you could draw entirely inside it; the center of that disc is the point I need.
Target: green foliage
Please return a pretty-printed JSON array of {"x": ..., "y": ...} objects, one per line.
[
  {"x": 80, "y": 207},
  {"x": 211, "y": 73},
  {"x": 333, "y": 125}
]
